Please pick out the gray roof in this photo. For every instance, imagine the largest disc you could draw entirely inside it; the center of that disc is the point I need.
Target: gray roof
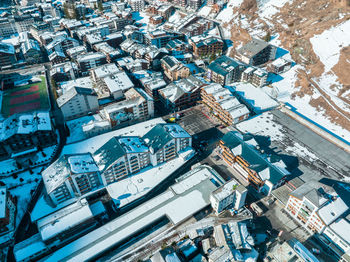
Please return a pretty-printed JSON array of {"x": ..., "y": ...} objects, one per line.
[
  {"x": 72, "y": 92},
  {"x": 253, "y": 47}
]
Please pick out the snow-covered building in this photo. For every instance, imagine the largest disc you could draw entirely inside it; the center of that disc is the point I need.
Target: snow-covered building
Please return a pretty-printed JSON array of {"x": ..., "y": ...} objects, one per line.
[
  {"x": 77, "y": 102},
  {"x": 64, "y": 72},
  {"x": 256, "y": 76},
  {"x": 90, "y": 60},
  {"x": 23, "y": 134},
  {"x": 315, "y": 207},
  {"x": 223, "y": 104},
  {"x": 61, "y": 44},
  {"x": 71, "y": 176},
  {"x": 225, "y": 70},
  {"x": 240, "y": 151},
  {"x": 181, "y": 94},
  {"x": 206, "y": 45},
  {"x": 254, "y": 98},
  {"x": 116, "y": 84},
  {"x": 256, "y": 52},
  {"x": 122, "y": 156},
  {"x": 231, "y": 194},
  {"x": 31, "y": 51},
  {"x": 187, "y": 196},
  {"x": 136, "y": 106},
  {"x": 137, "y": 5},
  {"x": 174, "y": 69}
]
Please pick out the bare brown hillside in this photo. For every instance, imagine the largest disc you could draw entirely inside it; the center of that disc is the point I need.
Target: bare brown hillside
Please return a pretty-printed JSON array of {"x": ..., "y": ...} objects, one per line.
[{"x": 296, "y": 23}]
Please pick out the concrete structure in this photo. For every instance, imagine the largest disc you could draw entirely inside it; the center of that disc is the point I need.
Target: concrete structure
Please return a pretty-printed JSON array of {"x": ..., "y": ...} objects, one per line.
[
  {"x": 231, "y": 194},
  {"x": 77, "y": 102},
  {"x": 187, "y": 196},
  {"x": 7, "y": 55},
  {"x": 91, "y": 60},
  {"x": 256, "y": 52},
  {"x": 256, "y": 76}
]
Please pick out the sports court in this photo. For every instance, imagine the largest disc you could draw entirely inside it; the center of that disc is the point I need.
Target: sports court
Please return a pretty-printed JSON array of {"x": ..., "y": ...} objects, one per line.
[{"x": 25, "y": 98}]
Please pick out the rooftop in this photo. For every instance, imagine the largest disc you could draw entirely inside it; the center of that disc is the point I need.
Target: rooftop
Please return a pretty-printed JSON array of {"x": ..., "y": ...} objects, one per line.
[
  {"x": 3, "y": 200},
  {"x": 253, "y": 47},
  {"x": 176, "y": 207}
]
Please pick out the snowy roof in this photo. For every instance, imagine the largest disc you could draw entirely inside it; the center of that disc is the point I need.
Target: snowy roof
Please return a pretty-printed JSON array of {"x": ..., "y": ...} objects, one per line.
[
  {"x": 105, "y": 70},
  {"x": 90, "y": 56},
  {"x": 64, "y": 219},
  {"x": 55, "y": 174},
  {"x": 72, "y": 92},
  {"x": 7, "y": 48},
  {"x": 133, "y": 144},
  {"x": 332, "y": 210},
  {"x": 255, "y": 97},
  {"x": 3, "y": 201},
  {"x": 82, "y": 164},
  {"x": 80, "y": 82},
  {"x": 342, "y": 228},
  {"x": 25, "y": 124},
  {"x": 227, "y": 189},
  {"x": 175, "y": 207},
  {"x": 118, "y": 81}
]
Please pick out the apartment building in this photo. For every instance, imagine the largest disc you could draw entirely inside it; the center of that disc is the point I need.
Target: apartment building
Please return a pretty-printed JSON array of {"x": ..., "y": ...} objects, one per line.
[
  {"x": 111, "y": 53},
  {"x": 194, "y": 4},
  {"x": 37, "y": 29},
  {"x": 23, "y": 134},
  {"x": 336, "y": 237},
  {"x": 57, "y": 57},
  {"x": 7, "y": 54},
  {"x": 181, "y": 94},
  {"x": 279, "y": 66},
  {"x": 225, "y": 71},
  {"x": 91, "y": 60},
  {"x": 229, "y": 195},
  {"x": 8, "y": 209},
  {"x": 205, "y": 46},
  {"x": 61, "y": 44},
  {"x": 122, "y": 156},
  {"x": 137, "y": 5},
  {"x": 315, "y": 206},
  {"x": 240, "y": 151},
  {"x": 7, "y": 27},
  {"x": 71, "y": 176},
  {"x": 31, "y": 51},
  {"x": 74, "y": 52},
  {"x": 24, "y": 22},
  {"x": 256, "y": 52},
  {"x": 77, "y": 102},
  {"x": 64, "y": 72},
  {"x": 136, "y": 106},
  {"x": 223, "y": 104},
  {"x": 256, "y": 76},
  {"x": 152, "y": 84},
  {"x": 160, "y": 38},
  {"x": 174, "y": 69}
]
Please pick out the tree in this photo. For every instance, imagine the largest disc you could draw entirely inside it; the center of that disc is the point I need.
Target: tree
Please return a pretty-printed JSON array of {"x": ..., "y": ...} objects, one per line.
[
  {"x": 267, "y": 37},
  {"x": 100, "y": 6},
  {"x": 66, "y": 10}
]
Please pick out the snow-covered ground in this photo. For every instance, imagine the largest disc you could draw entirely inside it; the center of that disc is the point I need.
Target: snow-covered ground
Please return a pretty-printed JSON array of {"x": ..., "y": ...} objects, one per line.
[
  {"x": 283, "y": 87},
  {"x": 328, "y": 44},
  {"x": 226, "y": 13},
  {"x": 204, "y": 11},
  {"x": 263, "y": 125},
  {"x": 134, "y": 187},
  {"x": 9, "y": 166},
  {"x": 267, "y": 8}
]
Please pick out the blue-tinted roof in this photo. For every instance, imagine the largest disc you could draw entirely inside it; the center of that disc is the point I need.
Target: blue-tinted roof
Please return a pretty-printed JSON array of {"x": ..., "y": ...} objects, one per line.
[{"x": 221, "y": 65}]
